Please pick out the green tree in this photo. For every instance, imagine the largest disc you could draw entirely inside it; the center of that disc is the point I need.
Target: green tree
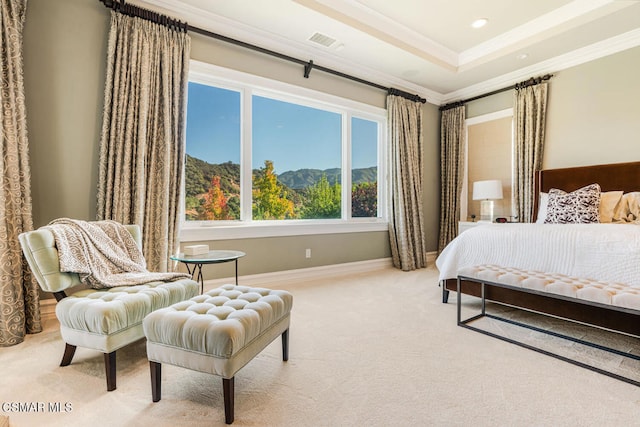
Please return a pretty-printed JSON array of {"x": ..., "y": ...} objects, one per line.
[
  {"x": 364, "y": 200},
  {"x": 323, "y": 200},
  {"x": 270, "y": 198}
]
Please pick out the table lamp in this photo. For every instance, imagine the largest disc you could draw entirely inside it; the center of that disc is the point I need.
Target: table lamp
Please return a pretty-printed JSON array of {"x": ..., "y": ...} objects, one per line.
[{"x": 487, "y": 192}]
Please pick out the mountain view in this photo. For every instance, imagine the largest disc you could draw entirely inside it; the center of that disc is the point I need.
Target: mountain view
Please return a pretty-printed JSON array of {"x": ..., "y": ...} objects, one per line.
[{"x": 296, "y": 186}]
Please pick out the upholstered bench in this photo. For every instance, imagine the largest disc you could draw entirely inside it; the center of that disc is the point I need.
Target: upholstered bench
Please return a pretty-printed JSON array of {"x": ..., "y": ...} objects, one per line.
[
  {"x": 585, "y": 293},
  {"x": 615, "y": 295},
  {"x": 218, "y": 333}
]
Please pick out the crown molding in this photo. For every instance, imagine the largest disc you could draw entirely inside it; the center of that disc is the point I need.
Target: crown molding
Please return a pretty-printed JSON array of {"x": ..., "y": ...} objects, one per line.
[
  {"x": 248, "y": 34},
  {"x": 545, "y": 26},
  {"x": 583, "y": 55},
  {"x": 362, "y": 18},
  {"x": 230, "y": 28}
]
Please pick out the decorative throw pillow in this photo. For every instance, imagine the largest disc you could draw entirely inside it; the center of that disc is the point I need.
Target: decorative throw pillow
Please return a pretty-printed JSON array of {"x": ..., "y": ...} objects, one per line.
[
  {"x": 578, "y": 207},
  {"x": 628, "y": 210},
  {"x": 543, "y": 201},
  {"x": 608, "y": 202}
]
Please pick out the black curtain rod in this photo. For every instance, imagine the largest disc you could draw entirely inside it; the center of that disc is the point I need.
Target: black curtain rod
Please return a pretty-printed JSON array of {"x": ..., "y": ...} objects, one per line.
[
  {"x": 308, "y": 66},
  {"x": 532, "y": 81},
  {"x": 131, "y": 10},
  {"x": 139, "y": 12}
]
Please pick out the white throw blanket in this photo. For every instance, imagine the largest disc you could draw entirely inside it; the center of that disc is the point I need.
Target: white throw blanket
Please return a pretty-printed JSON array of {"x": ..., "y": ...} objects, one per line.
[
  {"x": 103, "y": 253},
  {"x": 606, "y": 252}
]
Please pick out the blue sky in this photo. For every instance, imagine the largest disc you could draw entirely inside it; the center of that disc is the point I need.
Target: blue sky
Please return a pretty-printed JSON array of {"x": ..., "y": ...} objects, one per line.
[{"x": 292, "y": 136}]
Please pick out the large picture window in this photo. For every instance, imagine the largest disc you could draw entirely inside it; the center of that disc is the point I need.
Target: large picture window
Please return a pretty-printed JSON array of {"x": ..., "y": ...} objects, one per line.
[
  {"x": 259, "y": 155},
  {"x": 212, "y": 172}
]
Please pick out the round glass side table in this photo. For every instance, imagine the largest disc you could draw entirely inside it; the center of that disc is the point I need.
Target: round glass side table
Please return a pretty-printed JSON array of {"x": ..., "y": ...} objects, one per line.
[{"x": 194, "y": 263}]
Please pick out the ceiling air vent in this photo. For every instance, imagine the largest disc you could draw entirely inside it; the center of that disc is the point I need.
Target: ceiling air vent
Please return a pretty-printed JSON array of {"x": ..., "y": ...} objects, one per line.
[{"x": 322, "y": 39}]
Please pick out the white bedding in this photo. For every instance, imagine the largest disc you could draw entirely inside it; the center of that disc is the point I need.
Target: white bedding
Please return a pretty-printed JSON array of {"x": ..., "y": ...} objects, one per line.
[{"x": 607, "y": 252}]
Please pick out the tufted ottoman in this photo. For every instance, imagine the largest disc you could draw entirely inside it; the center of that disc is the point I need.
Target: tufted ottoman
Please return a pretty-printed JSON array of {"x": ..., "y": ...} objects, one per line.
[
  {"x": 108, "y": 319},
  {"x": 218, "y": 333}
]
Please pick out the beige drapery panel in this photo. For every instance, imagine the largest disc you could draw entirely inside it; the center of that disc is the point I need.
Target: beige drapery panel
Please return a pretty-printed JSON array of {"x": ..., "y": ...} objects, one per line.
[
  {"x": 452, "y": 143},
  {"x": 530, "y": 108},
  {"x": 19, "y": 301},
  {"x": 142, "y": 145},
  {"x": 406, "y": 233}
]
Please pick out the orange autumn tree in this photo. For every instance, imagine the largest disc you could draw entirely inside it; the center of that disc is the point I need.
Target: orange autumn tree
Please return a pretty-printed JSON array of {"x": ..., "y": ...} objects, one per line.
[{"x": 215, "y": 203}]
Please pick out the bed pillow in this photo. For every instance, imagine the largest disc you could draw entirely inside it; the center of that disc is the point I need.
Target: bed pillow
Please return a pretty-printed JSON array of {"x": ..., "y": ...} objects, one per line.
[
  {"x": 578, "y": 207},
  {"x": 543, "y": 201},
  {"x": 628, "y": 209},
  {"x": 608, "y": 202}
]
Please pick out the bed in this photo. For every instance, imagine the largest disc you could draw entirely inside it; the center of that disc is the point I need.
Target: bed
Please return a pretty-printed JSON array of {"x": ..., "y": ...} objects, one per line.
[{"x": 607, "y": 252}]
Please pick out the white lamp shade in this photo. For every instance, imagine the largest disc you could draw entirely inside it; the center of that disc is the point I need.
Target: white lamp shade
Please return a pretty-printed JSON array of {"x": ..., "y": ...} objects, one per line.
[{"x": 487, "y": 190}]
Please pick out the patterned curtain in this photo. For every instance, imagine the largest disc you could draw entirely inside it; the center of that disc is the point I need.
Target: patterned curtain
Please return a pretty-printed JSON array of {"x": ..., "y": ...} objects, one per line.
[
  {"x": 452, "y": 143},
  {"x": 19, "y": 300},
  {"x": 142, "y": 146},
  {"x": 405, "y": 190},
  {"x": 530, "y": 108}
]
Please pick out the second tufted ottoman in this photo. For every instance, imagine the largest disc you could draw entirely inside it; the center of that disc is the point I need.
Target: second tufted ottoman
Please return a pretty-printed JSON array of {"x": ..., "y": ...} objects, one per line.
[{"x": 218, "y": 333}]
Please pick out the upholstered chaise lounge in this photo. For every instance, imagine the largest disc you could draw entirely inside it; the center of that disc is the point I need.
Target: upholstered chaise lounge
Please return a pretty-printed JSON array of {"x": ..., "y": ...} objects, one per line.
[{"x": 100, "y": 319}]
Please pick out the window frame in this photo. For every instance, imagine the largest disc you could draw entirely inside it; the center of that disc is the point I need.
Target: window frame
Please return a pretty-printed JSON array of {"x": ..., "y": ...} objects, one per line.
[{"x": 249, "y": 85}]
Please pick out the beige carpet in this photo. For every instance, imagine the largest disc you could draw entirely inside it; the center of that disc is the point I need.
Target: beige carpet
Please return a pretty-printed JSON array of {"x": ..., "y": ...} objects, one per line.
[{"x": 376, "y": 349}]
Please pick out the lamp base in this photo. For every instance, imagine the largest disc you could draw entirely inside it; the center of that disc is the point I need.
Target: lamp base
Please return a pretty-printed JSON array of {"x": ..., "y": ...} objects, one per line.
[{"x": 486, "y": 210}]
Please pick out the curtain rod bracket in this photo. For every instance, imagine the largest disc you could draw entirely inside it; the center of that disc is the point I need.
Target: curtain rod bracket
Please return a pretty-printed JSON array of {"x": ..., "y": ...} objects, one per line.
[{"x": 307, "y": 69}]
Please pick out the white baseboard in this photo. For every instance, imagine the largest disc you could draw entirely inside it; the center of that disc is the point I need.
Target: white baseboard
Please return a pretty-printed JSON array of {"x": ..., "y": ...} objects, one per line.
[
  {"x": 47, "y": 309},
  {"x": 311, "y": 273},
  {"x": 48, "y": 306}
]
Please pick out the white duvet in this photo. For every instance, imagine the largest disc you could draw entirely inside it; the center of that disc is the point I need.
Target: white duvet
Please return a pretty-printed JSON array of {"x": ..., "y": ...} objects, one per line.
[{"x": 607, "y": 252}]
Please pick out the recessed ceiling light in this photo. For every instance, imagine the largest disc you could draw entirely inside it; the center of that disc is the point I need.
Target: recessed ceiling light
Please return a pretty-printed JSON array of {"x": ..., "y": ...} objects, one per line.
[
  {"x": 479, "y": 23},
  {"x": 522, "y": 56}
]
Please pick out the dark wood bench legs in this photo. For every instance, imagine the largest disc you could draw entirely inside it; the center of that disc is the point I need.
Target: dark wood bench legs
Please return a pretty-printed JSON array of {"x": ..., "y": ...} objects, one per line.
[
  {"x": 228, "y": 384},
  {"x": 69, "y": 351},
  {"x": 285, "y": 345},
  {"x": 110, "y": 370},
  {"x": 228, "y": 387},
  {"x": 109, "y": 364},
  {"x": 156, "y": 380}
]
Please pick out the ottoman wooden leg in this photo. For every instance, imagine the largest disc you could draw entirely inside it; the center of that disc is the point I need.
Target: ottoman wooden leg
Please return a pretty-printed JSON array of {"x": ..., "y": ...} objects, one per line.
[
  {"x": 69, "y": 351},
  {"x": 110, "y": 370},
  {"x": 228, "y": 389},
  {"x": 156, "y": 380},
  {"x": 285, "y": 345}
]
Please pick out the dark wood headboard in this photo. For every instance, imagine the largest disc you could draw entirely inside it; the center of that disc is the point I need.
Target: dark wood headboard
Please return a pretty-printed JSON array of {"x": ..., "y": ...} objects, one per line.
[{"x": 610, "y": 177}]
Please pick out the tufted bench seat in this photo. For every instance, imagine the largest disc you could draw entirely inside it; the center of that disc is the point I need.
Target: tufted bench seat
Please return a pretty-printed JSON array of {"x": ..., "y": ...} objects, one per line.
[
  {"x": 108, "y": 319},
  {"x": 218, "y": 333},
  {"x": 591, "y": 291},
  {"x": 606, "y": 296}
]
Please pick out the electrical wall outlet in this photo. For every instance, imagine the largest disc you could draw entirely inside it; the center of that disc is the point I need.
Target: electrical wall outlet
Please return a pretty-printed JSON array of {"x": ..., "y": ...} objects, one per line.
[{"x": 307, "y": 253}]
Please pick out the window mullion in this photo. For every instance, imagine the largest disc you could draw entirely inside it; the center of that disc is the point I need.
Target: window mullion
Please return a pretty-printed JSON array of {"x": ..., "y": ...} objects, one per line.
[
  {"x": 246, "y": 177},
  {"x": 383, "y": 167},
  {"x": 346, "y": 166}
]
